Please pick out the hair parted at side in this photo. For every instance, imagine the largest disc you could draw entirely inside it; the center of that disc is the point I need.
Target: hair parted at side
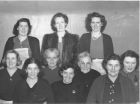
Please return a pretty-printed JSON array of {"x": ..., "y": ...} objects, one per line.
[
  {"x": 58, "y": 15},
  {"x": 89, "y": 19},
  {"x": 30, "y": 61},
  {"x": 19, "y": 62},
  {"x": 15, "y": 29},
  {"x": 133, "y": 54},
  {"x": 111, "y": 57}
]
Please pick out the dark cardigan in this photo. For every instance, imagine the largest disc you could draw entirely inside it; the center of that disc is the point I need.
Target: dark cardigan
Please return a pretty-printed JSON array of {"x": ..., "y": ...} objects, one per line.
[
  {"x": 70, "y": 44},
  {"x": 84, "y": 44},
  {"x": 33, "y": 42},
  {"x": 97, "y": 89}
]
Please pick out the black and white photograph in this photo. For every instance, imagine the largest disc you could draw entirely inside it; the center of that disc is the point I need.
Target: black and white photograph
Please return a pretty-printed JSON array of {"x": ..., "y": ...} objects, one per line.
[{"x": 69, "y": 52}]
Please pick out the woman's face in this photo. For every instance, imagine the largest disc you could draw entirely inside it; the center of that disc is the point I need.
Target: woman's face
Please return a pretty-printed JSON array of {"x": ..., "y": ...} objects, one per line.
[
  {"x": 60, "y": 24},
  {"x": 68, "y": 75},
  {"x": 32, "y": 71},
  {"x": 96, "y": 24},
  {"x": 129, "y": 64},
  {"x": 11, "y": 60},
  {"x": 52, "y": 59},
  {"x": 85, "y": 64},
  {"x": 113, "y": 67},
  {"x": 23, "y": 28}
]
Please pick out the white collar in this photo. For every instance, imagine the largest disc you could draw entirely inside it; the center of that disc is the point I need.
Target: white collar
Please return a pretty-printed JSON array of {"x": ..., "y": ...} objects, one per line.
[{"x": 95, "y": 35}]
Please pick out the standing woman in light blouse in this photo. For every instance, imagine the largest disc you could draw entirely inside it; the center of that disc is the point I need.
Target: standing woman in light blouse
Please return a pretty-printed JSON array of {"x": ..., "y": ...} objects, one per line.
[{"x": 22, "y": 41}]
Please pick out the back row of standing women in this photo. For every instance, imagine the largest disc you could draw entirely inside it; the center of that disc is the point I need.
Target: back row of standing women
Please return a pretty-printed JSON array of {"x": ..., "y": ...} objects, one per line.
[
  {"x": 95, "y": 42},
  {"x": 98, "y": 44}
]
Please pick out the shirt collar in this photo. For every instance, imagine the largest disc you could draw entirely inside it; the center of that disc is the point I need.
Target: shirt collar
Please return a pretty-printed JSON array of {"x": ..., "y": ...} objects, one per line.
[{"x": 107, "y": 80}]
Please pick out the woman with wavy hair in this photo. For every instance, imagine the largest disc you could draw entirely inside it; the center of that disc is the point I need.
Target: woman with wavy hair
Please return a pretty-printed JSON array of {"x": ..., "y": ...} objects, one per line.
[
  {"x": 61, "y": 39},
  {"x": 98, "y": 44},
  {"x": 27, "y": 46},
  {"x": 10, "y": 76}
]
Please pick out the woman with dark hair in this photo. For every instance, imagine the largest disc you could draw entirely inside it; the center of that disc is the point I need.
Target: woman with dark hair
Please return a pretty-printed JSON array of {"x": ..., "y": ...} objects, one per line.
[
  {"x": 10, "y": 75},
  {"x": 130, "y": 60},
  {"x": 98, "y": 44},
  {"x": 61, "y": 39},
  {"x": 27, "y": 46},
  {"x": 67, "y": 91},
  {"x": 33, "y": 89},
  {"x": 112, "y": 87}
]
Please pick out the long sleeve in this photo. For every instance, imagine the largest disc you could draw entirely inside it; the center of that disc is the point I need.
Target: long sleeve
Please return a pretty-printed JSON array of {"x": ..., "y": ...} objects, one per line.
[{"x": 8, "y": 46}]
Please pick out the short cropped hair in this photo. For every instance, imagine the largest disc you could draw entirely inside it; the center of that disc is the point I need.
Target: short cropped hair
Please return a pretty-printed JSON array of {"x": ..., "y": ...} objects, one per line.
[
  {"x": 30, "y": 61},
  {"x": 58, "y": 15},
  {"x": 45, "y": 54},
  {"x": 19, "y": 62},
  {"x": 83, "y": 54},
  {"x": 66, "y": 66},
  {"x": 133, "y": 54},
  {"x": 16, "y": 32},
  {"x": 89, "y": 18},
  {"x": 111, "y": 57}
]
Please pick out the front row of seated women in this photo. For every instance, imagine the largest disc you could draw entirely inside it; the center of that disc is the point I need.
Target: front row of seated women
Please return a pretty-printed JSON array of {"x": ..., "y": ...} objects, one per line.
[{"x": 79, "y": 83}]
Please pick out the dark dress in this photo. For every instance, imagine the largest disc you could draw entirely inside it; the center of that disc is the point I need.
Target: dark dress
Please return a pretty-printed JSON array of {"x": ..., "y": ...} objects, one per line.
[
  {"x": 8, "y": 84},
  {"x": 86, "y": 80},
  {"x": 51, "y": 75},
  {"x": 70, "y": 45},
  {"x": 67, "y": 93},
  {"x": 39, "y": 93}
]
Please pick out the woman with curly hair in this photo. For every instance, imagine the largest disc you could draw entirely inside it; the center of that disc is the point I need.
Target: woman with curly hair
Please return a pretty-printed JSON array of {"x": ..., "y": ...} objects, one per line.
[{"x": 98, "y": 44}]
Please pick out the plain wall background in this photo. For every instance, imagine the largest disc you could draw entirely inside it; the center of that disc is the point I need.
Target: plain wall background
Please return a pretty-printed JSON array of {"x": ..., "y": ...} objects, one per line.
[{"x": 122, "y": 19}]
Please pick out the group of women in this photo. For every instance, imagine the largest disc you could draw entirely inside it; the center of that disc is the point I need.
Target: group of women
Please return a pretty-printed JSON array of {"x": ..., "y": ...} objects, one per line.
[{"x": 61, "y": 72}]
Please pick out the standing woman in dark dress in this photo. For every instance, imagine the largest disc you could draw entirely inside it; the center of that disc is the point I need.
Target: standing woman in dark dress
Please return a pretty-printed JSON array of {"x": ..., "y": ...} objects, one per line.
[
  {"x": 61, "y": 39},
  {"x": 10, "y": 75},
  {"x": 98, "y": 44},
  {"x": 22, "y": 41},
  {"x": 33, "y": 89}
]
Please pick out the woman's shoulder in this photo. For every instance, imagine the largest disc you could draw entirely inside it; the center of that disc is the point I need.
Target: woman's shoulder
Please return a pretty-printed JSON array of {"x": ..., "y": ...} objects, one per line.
[
  {"x": 94, "y": 72},
  {"x": 2, "y": 71},
  {"x": 71, "y": 35},
  {"x": 106, "y": 36},
  {"x": 49, "y": 35},
  {"x": 100, "y": 79},
  {"x": 56, "y": 83},
  {"x": 32, "y": 38},
  {"x": 123, "y": 78},
  {"x": 11, "y": 38},
  {"x": 85, "y": 35},
  {"x": 43, "y": 82}
]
